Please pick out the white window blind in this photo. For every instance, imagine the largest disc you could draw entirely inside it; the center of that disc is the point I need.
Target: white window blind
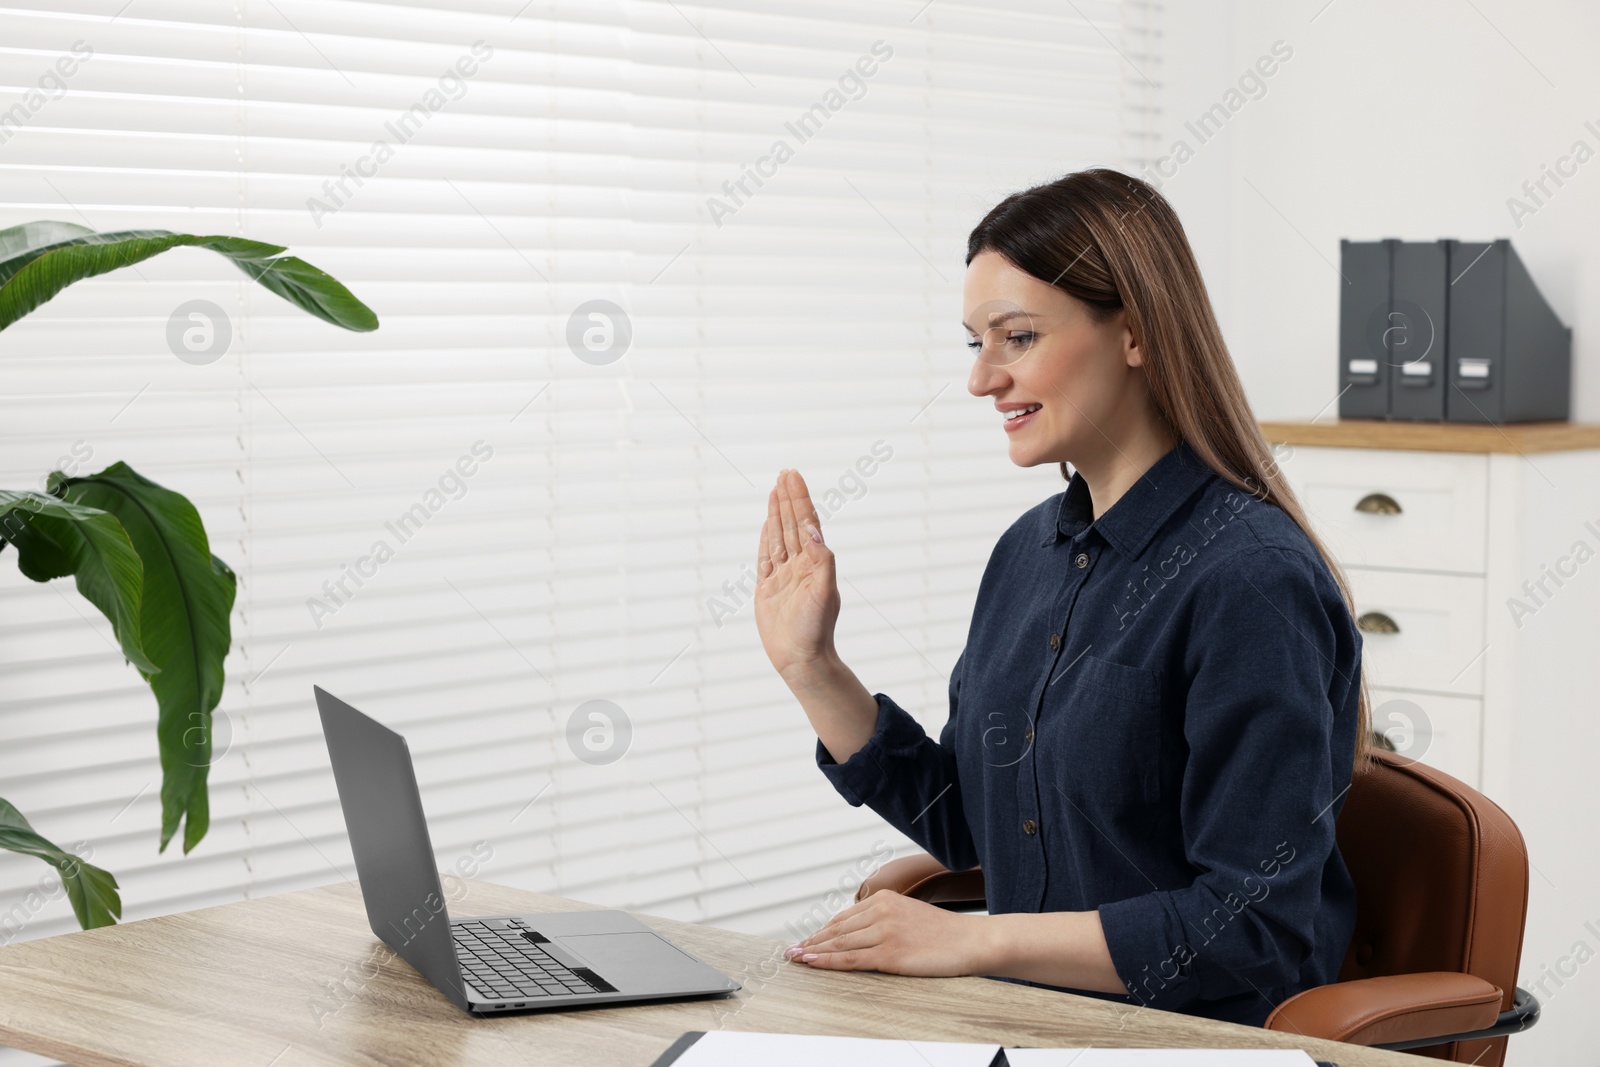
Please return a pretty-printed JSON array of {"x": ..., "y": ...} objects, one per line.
[{"x": 596, "y": 551}]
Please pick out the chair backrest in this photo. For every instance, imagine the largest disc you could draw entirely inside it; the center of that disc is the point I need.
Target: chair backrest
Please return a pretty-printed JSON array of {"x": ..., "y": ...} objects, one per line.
[{"x": 1441, "y": 877}]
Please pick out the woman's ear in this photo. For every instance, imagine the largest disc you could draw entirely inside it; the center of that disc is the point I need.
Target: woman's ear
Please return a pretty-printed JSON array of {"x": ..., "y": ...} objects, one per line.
[{"x": 1132, "y": 352}]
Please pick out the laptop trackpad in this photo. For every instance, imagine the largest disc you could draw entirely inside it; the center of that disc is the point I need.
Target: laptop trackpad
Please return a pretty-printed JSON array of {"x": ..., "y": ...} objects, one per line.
[{"x": 630, "y": 960}]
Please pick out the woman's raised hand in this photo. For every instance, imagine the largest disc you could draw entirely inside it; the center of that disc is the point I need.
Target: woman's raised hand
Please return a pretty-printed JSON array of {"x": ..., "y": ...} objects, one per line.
[{"x": 797, "y": 591}]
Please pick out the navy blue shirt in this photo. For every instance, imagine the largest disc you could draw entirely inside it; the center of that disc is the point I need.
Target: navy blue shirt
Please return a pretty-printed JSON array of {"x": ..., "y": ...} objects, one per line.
[{"x": 1154, "y": 716}]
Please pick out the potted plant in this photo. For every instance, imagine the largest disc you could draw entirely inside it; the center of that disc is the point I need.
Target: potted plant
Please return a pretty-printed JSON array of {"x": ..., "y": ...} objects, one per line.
[{"x": 137, "y": 550}]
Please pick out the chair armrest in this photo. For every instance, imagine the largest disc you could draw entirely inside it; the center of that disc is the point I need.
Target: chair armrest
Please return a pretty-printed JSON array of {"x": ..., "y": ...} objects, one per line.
[
  {"x": 1395, "y": 1007},
  {"x": 925, "y": 878}
]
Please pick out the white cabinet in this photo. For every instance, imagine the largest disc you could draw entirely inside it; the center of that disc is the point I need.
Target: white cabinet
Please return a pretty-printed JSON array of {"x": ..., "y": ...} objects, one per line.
[
  {"x": 1467, "y": 551},
  {"x": 1490, "y": 571}
]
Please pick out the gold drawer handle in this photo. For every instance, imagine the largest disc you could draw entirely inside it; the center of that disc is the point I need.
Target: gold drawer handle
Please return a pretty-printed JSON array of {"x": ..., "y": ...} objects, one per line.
[
  {"x": 1378, "y": 504},
  {"x": 1376, "y": 622}
]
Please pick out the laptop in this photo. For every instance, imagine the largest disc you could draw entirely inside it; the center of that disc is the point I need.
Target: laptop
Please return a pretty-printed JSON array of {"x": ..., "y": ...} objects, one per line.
[{"x": 491, "y": 963}]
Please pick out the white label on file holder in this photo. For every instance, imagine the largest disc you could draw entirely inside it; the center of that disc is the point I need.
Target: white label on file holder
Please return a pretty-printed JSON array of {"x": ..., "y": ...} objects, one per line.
[
  {"x": 1363, "y": 366},
  {"x": 1418, "y": 369},
  {"x": 1473, "y": 368}
]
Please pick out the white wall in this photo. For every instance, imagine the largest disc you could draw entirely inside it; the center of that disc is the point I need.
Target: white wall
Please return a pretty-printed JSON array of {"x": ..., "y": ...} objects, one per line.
[
  {"x": 1419, "y": 121},
  {"x": 1407, "y": 119}
]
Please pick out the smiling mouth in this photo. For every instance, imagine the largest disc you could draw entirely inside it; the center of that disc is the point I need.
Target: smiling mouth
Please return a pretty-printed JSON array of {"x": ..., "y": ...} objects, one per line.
[{"x": 1020, "y": 413}]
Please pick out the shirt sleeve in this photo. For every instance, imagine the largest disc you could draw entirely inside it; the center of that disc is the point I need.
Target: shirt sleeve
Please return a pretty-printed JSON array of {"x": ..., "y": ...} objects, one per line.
[
  {"x": 1258, "y": 796},
  {"x": 910, "y": 780}
]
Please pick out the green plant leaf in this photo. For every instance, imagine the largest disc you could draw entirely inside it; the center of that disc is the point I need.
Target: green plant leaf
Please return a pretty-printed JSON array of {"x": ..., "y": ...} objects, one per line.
[
  {"x": 184, "y": 623},
  {"x": 93, "y": 892},
  {"x": 55, "y": 538},
  {"x": 39, "y": 259}
]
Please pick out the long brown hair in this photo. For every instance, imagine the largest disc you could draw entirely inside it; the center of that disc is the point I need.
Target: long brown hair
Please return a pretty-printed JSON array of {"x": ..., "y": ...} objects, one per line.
[{"x": 1112, "y": 242}]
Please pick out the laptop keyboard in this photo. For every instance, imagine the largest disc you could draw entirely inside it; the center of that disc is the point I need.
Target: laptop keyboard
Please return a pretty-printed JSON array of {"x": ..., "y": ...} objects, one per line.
[{"x": 512, "y": 963}]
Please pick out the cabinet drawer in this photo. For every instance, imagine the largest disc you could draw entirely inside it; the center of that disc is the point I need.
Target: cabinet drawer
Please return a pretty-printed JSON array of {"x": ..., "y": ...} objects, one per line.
[
  {"x": 1442, "y": 497},
  {"x": 1443, "y": 732},
  {"x": 1439, "y": 643}
]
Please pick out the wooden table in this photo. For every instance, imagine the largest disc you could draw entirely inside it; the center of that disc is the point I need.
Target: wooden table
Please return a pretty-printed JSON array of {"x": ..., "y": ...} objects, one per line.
[{"x": 299, "y": 979}]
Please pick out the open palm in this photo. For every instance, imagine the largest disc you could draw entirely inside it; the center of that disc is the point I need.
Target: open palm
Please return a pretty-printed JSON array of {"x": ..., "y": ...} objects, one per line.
[{"x": 797, "y": 590}]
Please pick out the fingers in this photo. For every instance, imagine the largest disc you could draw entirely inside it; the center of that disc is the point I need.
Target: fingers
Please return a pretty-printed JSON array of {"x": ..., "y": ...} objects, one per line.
[
  {"x": 852, "y": 960},
  {"x": 763, "y": 562},
  {"x": 791, "y": 532},
  {"x": 806, "y": 510},
  {"x": 836, "y": 936},
  {"x": 784, "y": 534},
  {"x": 856, "y": 917},
  {"x": 847, "y": 951},
  {"x": 860, "y": 951},
  {"x": 774, "y": 530}
]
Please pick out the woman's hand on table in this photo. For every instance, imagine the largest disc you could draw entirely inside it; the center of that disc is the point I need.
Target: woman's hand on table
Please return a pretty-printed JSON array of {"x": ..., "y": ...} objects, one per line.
[{"x": 897, "y": 934}]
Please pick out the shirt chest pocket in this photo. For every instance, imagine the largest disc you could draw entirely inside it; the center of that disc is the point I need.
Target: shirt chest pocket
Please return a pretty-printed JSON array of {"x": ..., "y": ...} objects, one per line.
[{"x": 1106, "y": 721}]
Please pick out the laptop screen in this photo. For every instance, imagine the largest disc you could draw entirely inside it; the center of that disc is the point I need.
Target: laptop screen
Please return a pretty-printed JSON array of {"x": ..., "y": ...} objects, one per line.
[{"x": 389, "y": 839}]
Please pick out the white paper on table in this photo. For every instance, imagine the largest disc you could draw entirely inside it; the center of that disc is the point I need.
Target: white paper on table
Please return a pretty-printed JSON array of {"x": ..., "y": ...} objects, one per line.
[
  {"x": 738, "y": 1048},
  {"x": 1157, "y": 1057}
]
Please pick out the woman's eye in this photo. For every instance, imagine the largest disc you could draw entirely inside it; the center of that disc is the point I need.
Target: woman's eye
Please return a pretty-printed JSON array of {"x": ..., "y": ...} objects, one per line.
[
  {"x": 1024, "y": 339},
  {"x": 974, "y": 344}
]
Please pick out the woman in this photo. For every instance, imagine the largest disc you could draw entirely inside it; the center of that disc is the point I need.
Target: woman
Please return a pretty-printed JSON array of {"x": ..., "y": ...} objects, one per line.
[{"x": 1159, "y": 706}]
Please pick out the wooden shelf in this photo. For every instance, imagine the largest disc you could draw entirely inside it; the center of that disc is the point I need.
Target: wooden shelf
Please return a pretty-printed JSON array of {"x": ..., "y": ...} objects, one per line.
[{"x": 1517, "y": 438}]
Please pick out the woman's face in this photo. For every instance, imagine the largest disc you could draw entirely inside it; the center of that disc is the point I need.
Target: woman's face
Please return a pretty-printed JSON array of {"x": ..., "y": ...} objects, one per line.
[{"x": 1040, "y": 347}]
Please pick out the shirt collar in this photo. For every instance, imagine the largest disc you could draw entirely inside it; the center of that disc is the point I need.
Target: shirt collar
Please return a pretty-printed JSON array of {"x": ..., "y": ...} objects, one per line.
[{"x": 1130, "y": 523}]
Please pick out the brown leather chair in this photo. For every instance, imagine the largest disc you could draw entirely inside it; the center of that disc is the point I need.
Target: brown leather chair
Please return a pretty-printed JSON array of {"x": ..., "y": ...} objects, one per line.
[{"x": 1441, "y": 879}]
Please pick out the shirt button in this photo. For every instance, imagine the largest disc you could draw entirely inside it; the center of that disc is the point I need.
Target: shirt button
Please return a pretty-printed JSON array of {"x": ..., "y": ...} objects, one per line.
[
  {"x": 1081, "y": 559},
  {"x": 1055, "y": 640},
  {"x": 1029, "y": 826},
  {"x": 1029, "y": 736}
]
